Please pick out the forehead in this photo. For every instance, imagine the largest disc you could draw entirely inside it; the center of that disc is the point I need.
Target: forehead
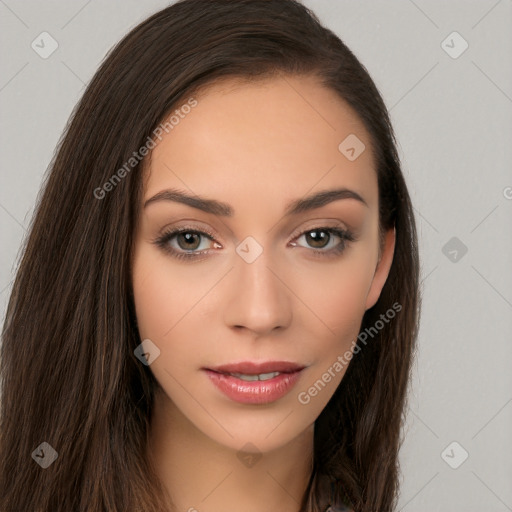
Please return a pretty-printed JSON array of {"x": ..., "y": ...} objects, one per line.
[{"x": 277, "y": 138}]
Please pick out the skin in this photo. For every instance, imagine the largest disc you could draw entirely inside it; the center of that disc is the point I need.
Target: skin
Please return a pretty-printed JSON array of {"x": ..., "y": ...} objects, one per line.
[{"x": 256, "y": 146}]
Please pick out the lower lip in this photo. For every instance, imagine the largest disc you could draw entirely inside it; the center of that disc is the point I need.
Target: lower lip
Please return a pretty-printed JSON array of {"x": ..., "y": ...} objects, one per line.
[{"x": 257, "y": 391}]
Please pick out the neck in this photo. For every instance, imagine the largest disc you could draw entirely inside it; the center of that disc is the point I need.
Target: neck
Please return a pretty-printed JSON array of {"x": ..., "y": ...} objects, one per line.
[{"x": 204, "y": 476}]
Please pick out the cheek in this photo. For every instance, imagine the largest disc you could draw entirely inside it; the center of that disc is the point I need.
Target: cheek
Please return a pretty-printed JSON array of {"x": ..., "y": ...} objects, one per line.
[
  {"x": 168, "y": 307},
  {"x": 162, "y": 295},
  {"x": 335, "y": 295},
  {"x": 153, "y": 301},
  {"x": 337, "y": 305},
  {"x": 158, "y": 307}
]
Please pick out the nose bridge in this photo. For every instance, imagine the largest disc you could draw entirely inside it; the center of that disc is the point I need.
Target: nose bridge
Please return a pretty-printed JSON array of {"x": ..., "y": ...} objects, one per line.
[{"x": 259, "y": 301}]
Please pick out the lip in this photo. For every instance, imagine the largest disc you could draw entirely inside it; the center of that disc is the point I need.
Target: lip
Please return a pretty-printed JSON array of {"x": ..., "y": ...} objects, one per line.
[
  {"x": 259, "y": 391},
  {"x": 254, "y": 368}
]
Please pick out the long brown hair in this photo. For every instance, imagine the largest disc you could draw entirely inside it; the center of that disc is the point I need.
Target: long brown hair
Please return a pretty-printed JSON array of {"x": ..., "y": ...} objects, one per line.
[{"x": 69, "y": 376}]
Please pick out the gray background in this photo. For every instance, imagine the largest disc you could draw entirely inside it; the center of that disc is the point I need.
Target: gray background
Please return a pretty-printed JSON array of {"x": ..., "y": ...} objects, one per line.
[{"x": 453, "y": 120}]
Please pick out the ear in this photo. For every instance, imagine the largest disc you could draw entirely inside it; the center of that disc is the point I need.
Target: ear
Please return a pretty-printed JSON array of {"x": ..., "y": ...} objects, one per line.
[{"x": 382, "y": 270}]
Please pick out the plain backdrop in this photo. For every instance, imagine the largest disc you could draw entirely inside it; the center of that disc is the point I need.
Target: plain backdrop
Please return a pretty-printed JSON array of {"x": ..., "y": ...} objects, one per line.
[{"x": 451, "y": 107}]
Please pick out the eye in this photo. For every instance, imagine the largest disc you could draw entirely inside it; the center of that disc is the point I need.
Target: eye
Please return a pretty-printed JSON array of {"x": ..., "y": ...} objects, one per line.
[
  {"x": 188, "y": 240},
  {"x": 326, "y": 240},
  {"x": 185, "y": 242}
]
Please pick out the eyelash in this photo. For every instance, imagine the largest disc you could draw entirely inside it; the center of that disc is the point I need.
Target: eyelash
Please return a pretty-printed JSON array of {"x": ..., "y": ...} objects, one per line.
[{"x": 162, "y": 241}]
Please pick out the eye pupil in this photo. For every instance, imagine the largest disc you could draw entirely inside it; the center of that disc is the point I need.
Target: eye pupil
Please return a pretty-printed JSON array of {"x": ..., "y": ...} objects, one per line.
[
  {"x": 318, "y": 241},
  {"x": 188, "y": 237}
]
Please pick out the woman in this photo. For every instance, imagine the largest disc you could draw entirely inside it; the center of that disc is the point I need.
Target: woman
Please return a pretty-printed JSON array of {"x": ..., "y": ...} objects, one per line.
[{"x": 217, "y": 305}]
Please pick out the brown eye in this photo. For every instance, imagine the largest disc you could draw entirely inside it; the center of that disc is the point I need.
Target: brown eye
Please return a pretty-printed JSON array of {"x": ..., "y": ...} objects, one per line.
[
  {"x": 187, "y": 243},
  {"x": 325, "y": 241},
  {"x": 188, "y": 240},
  {"x": 318, "y": 238}
]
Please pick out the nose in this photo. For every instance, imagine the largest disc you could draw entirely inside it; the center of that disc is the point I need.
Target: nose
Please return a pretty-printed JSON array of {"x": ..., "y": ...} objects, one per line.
[{"x": 259, "y": 300}]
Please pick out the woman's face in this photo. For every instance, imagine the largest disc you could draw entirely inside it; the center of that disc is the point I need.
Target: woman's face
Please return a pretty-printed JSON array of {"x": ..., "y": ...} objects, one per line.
[{"x": 261, "y": 284}]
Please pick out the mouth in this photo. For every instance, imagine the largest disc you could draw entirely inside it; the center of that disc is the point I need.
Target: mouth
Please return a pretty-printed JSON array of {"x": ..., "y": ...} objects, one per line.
[
  {"x": 252, "y": 378},
  {"x": 255, "y": 383}
]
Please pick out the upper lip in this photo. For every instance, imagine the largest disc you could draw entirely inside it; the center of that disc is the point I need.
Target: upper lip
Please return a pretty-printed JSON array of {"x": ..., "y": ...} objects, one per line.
[{"x": 254, "y": 368}]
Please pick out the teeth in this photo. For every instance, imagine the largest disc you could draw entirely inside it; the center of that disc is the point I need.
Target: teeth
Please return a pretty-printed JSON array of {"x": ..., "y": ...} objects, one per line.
[{"x": 251, "y": 378}]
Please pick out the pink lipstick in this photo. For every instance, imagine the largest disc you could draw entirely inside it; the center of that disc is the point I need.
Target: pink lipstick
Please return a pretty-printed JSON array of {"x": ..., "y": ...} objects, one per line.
[{"x": 255, "y": 383}]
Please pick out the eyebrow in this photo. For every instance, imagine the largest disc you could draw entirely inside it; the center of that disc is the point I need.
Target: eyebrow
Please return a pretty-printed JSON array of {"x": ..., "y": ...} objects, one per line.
[{"x": 225, "y": 210}]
